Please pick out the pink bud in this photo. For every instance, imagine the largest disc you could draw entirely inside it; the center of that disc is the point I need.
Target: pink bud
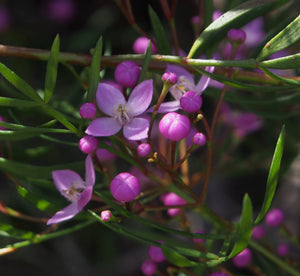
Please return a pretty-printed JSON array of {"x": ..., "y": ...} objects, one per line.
[
  {"x": 195, "y": 20},
  {"x": 87, "y": 144},
  {"x": 143, "y": 149},
  {"x": 88, "y": 111},
  {"x": 190, "y": 101},
  {"x": 236, "y": 35},
  {"x": 174, "y": 126},
  {"x": 274, "y": 217},
  {"x": 169, "y": 77},
  {"x": 283, "y": 249},
  {"x": 199, "y": 139},
  {"x": 127, "y": 73},
  {"x": 258, "y": 232},
  {"x": 125, "y": 187},
  {"x": 140, "y": 46},
  {"x": 155, "y": 253},
  {"x": 173, "y": 199},
  {"x": 243, "y": 259},
  {"x": 149, "y": 267},
  {"x": 106, "y": 215}
]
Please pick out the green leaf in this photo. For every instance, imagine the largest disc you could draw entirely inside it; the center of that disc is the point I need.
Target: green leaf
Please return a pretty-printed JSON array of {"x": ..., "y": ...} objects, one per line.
[
  {"x": 244, "y": 231},
  {"x": 51, "y": 72},
  {"x": 282, "y": 40},
  {"x": 7, "y": 230},
  {"x": 164, "y": 47},
  {"x": 287, "y": 62},
  {"x": 94, "y": 71},
  {"x": 234, "y": 18},
  {"x": 40, "y": 203},
  {"x": 19, "y": 83},
  {"x": 147, "y": 58},
  {"x": 10, "y": 102},
  {"x": 175, "y": 258},
  {"x": 273, "y": 176}
]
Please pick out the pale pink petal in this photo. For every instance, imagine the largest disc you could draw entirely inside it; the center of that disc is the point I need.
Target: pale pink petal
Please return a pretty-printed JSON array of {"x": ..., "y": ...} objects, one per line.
[
  {"x": 169, "y": 107},
  {"x": 105, "y": 126},
  {"x": 137, "y": 129},
  {"x": 89, "y": 171},
  {"x": 63, "y": 180},
  {"x": 204, "y": 80},
  {"x": 85, "y": 197},
  {"x": 180, "y": 71},
  {"x": 140, "y": 97},
  {"x": 64, "y": 214},
  {"x": 108, "y": 97}
]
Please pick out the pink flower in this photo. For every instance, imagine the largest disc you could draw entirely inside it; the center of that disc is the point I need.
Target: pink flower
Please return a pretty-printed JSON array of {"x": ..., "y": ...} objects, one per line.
[
  {"x": 122, "y": 113},
  {"x": 73, "y": 188}
]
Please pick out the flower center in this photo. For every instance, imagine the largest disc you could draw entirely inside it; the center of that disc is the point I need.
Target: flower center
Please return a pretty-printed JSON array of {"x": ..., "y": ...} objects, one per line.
[
  {"x": 74, "y": 192},
  {"x": 183, "y": 86},
  {"x": 121, "y": 115}
]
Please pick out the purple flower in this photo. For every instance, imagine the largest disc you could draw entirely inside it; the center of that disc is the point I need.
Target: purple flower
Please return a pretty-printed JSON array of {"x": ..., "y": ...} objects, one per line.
[
  {"x": 243, "y": 259},
  {"x": 122, "y": 113},
  {"x": 185, "y": 82},
  {"x": 73, "y": 188}
]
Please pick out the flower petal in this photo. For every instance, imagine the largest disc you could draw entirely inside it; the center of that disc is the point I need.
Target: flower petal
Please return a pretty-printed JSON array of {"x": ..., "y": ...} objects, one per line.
[
  {"x": 89, "y": 171},
  {"x": 204, "y": 80},
  {"x": 180, "y": 71},
  {"x": 64, "y": 214},
  {"x": 108, "y": 97},
  {"x": 105, "y": 126},
  {"x": 137, "y": 129},
  {"x": 63, "y": 180},
  {"x": 85, "y": 197},
  {"x": 140, "y": 97},
  {"x": 169, "y": 107}
]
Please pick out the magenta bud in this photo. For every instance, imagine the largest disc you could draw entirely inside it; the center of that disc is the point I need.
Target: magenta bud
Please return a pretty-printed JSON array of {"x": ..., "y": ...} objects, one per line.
[
  {"x": 143, "y": 149},
  {"x": 88, "y": 144},
  {"x": 195, "y": 20},
  {"x": 274, "y": 217},
  {"x": 106, "y": 215},
  {"x": 125, "y": 187},
  {"x": 149, "y": 267},
  {"x": 169, "y": 77},
  {"x": 173, "y": 199},
  {"x": 258, "y": 232},
  {"x": 199, "y": 139},
  {"x": 198, "y": 240},
  {"x": 283, "y": 249},
  {"x": 191, "y": 101},
  {"x": 87, "y": 111},
  {"x": 156, "y": 254},
  {"x": 174, "y": 126},
  {"x": 140, "y": 46},
  {"x": 236, "y": 36},
  {"x": 243, "y": 259},
  {"x": 127, "y": 73}
]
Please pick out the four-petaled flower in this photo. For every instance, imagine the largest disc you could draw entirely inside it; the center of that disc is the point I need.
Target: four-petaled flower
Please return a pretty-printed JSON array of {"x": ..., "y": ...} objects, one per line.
[
  {"x": 73, "y": 188},
  {"x": 122, "y": 113},
  {"x": 185, "y": 82}
]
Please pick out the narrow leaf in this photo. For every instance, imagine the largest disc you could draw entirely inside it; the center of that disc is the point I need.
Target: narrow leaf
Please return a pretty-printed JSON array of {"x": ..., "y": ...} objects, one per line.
[
  {"x": 272, "y": 177},
  {"x": 245, "y": 228},
  {"x": 282, "y": 40},
  {"x": 147, "y": 58},
  {"x": 4, "y": 101},
  {"x": 19, "y": 83},
  {"x": 94, "y": 70},
  {"x": 234, "y": 18},
  {"x": 164, "y": 47},
  {"x": 51, "y": 72},
  {"x": 7, "y": 230},
  {"x": 176, "y": 258},
  {"x": 287, "y": 62}
]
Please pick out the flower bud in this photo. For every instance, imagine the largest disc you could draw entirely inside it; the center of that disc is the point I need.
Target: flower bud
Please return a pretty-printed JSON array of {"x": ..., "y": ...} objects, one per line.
[
  {"x": 274, "y": 217},
  {"x": 143, "y": 149},
  {"x": 174, "y": 126},
  {"x": 140, "y": 46},
  {"x": 283, "y": 249},
  {"x": 199, "y": 139},
  {"x": 258, "y": 232},
  {"x": 125, "y": 187},
  {"x": 149, "y": 267},
  {"x": 169, "y": 77},
  {"x": 87, "y": 111},
  {"x": 243, "y": 259},
  {"x": 173, "y": 199},
  {"x": 127, "y": 73},
  {"x": 156, "y": 254},
  {"x": 106, "y": 215},
  {"x": 190, "y": 101},
  {"x": 88, "y": 143}
]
